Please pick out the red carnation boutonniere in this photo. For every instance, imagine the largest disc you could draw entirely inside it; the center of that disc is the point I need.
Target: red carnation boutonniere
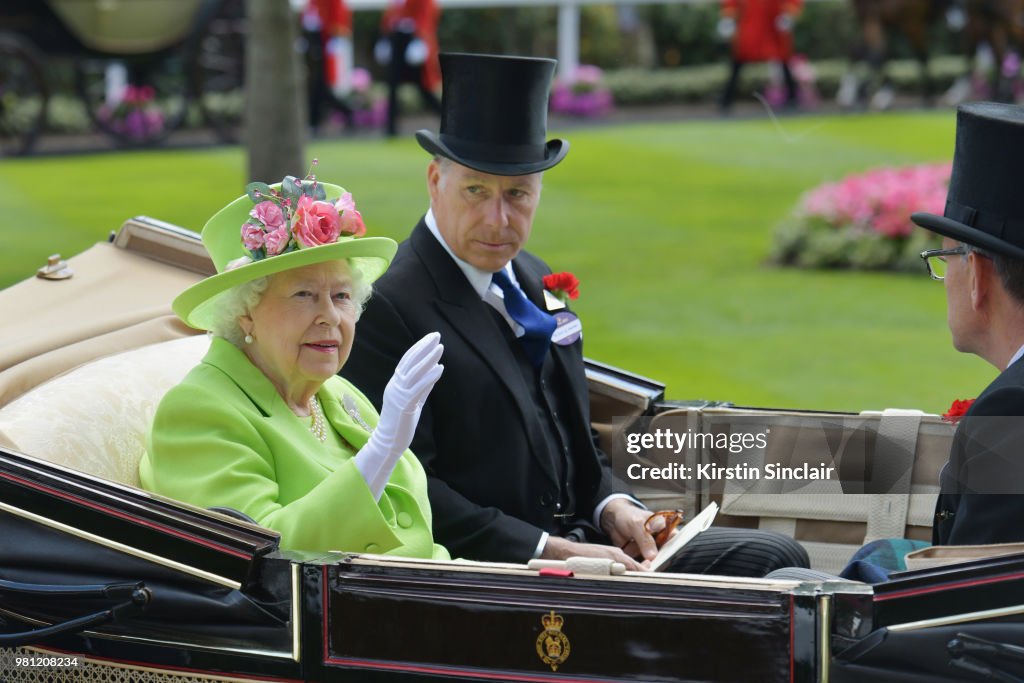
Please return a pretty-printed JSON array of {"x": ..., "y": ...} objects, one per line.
[
  {"x": 562, "y": 285},
  {"x": 957, "y": 410}
]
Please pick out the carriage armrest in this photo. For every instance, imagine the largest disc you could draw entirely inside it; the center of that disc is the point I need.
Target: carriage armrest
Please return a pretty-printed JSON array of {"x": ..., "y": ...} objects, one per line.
[
  {"x": 166, "y": 243},
  {"x": 232, "y": 512},
  {"x": 943, "y": 555}
]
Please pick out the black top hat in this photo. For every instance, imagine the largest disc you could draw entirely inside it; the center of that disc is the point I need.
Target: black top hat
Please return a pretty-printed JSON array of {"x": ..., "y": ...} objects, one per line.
[
  {"x": 494, "y": 114},
  {"x": 985, "y": 204}
]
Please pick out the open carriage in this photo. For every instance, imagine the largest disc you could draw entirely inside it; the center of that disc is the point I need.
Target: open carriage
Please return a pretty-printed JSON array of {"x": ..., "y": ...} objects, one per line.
[
  {"x": 139, "y": 65},
  {"x": 101, "y": 581}
]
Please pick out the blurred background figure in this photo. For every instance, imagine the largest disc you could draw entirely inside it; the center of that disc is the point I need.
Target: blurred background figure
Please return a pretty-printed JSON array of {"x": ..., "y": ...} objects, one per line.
[
  {"x": 993, "y": 40},
  {"x": 759, "y": 31},
  {"x": 327, "y": 27},
  {"x": 776, "y": 92},
  {"x": 408, "y": 49},
  {"x": 878, "y": 21}
]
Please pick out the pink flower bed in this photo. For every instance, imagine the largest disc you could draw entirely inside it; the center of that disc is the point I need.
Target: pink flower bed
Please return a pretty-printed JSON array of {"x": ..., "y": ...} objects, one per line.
[
  {"x": 369, "y": 109},
  {"x": 863, "y": 220},
  {"x": 137, "y": 116},
  {"x": 880, "y": 200},
  {"x": 582, "y": 95}
]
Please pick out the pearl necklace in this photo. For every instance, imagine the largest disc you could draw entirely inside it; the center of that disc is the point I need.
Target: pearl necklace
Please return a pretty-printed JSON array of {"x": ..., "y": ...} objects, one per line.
[{"x": 319, "y": 426}]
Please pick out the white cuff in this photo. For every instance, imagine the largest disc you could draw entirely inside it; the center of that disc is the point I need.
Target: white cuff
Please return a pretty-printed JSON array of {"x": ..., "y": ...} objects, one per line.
[{"x": 540, "y": 545}]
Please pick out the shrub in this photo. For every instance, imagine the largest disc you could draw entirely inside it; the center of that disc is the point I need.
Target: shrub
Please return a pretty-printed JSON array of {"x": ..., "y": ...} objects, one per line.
[
  {"x": 863, "y": 221},
  {"x": 584, "y": 94}
]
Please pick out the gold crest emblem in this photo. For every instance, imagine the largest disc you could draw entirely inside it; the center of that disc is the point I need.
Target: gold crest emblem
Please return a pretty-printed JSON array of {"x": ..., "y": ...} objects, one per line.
[{"x": 552, "y": 645}]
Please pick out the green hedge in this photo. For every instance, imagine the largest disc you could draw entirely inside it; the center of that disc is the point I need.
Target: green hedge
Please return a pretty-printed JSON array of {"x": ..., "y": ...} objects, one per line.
[
  {"x": 678, "y": 34},
  {"x": 703, "y": 83},
  {"x": 630, "y": 87}
]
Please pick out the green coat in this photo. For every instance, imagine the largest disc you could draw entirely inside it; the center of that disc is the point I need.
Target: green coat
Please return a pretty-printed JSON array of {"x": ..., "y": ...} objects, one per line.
[{"x": 224, "y": 437}]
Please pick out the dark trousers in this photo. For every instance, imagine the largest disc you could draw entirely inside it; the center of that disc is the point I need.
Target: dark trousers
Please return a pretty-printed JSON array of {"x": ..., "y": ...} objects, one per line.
[
  {"x": 320, "y": 97},
  {"x": 724, "y": 551},
  {"x": 739, "y": 552},
  {"x": 399, "y": 72},
  {"x": 729, "y": 94}
]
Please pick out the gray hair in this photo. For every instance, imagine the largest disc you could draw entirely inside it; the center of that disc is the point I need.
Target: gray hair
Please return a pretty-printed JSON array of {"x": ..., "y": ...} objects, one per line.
[
  {"x": 1009, "y": 269},
  {"x": 444, "y": 163},
  {"x": 229, "y": 306}
]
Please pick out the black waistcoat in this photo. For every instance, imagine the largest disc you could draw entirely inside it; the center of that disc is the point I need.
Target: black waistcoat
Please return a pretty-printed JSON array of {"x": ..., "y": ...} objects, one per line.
[{"x": 551, "y": 399}]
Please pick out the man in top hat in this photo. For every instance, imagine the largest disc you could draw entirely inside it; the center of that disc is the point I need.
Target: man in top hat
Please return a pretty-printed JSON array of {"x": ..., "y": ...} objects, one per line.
[
  {"x": 981, "y": 264},
  {"x": 513, "y": 469}
]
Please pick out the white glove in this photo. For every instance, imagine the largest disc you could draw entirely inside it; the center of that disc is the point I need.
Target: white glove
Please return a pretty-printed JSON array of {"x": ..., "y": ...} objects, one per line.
[
  {"x": 416, "y": 52},
  {"x": 339, "y": 51},
  {"x": 726, "y": 28},
  {"x": 784, "y": 22},
  {"x": 956, "y": 18},
  {"x": 382, "y": 51},
  {"x": 404, "y": 397}
]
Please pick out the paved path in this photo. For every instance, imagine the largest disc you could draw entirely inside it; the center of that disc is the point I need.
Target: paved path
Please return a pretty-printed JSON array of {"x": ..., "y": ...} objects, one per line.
[{"x": 54, "y": 144}]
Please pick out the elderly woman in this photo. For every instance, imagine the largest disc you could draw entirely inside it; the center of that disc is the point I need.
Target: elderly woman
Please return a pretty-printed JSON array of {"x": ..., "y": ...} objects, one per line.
[{"x": 263, "y": 424}]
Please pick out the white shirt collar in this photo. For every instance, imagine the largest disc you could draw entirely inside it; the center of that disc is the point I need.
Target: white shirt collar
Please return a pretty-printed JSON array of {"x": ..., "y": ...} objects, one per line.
[
  {"x": 1016, "y": 356},
  {"x": 479, "y": 279}
]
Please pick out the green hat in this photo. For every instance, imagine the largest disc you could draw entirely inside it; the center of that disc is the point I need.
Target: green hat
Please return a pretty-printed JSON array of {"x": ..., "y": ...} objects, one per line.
[{"x": 273, "y": 228}]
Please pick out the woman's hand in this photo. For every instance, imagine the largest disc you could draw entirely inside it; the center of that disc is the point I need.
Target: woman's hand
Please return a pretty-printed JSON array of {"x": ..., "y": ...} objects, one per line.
[{"x": 404, "y": 397}]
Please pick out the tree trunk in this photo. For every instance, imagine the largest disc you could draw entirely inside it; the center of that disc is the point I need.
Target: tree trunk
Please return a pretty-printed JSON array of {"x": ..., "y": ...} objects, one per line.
[{"x": 275, "y": 93}]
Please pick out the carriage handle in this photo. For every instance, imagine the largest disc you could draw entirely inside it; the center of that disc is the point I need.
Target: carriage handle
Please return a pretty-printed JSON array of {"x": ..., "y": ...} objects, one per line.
[
  {"x": 138, "y": 597},
  {"x": 976, "y": 655}
]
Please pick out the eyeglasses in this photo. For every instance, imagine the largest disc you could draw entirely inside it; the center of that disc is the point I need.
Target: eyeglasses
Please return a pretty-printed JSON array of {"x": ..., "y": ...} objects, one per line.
[
  {"x": 935, "y": 260},
  {"x": 673, "y": 520}
]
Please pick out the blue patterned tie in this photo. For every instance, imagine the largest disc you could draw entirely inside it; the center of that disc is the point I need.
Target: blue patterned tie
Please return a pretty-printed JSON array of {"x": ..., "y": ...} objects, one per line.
[{"x": 537, "y": 324}]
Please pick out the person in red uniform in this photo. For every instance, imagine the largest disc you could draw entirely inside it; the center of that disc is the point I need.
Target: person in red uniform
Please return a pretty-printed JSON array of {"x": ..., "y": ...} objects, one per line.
[
  {"x": 760, "y": 31},
  {"x": 408, "y": 47},
  {"x": 327, "y": 26}
]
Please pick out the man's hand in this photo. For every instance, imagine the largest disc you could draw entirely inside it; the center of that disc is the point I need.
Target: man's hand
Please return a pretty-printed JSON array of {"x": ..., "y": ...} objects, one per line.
[
  {"x": 558, "y": 548},
  {"x": 624, "y": 523}
]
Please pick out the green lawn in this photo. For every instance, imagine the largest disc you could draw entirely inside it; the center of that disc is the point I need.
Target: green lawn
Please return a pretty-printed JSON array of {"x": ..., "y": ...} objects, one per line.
[{"x": 666, "y": 225}]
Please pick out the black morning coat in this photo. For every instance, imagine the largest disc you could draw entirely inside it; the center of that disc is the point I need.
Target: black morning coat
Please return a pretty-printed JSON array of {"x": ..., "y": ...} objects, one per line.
[
  {"x": 492, "y": 488},
  {"x": 987, "y": 457}
]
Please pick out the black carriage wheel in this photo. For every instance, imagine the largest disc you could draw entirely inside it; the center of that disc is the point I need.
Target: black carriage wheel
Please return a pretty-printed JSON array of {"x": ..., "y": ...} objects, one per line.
[
  {"x": 24, "y": 95},
  {"x": 217, "y": 68},
  {"x": 138, "y": 100}
]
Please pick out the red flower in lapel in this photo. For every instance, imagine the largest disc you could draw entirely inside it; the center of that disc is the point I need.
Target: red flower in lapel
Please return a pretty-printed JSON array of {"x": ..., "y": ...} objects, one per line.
[
  {"x": 562, "y": 285},
  {"x": 957, "y": 410}
]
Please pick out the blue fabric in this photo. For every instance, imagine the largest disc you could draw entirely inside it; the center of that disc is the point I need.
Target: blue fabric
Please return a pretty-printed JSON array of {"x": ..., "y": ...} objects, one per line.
[
  {"x": 537, "y": 324},
  {"x": 874, "y": 562}
]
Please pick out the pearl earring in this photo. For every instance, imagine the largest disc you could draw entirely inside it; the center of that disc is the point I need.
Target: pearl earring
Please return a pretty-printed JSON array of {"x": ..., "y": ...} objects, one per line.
[{"x": 248, "y": 339}]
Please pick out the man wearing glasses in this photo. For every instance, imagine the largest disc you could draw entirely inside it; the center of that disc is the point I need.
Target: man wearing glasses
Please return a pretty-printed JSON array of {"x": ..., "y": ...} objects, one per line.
[{"x": 981, "y": 264}]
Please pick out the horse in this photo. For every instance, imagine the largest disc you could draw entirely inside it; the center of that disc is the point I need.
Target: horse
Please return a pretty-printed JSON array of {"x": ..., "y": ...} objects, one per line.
[
  {"x": 999, "y": 25},
  {"x": 877, "y": 19}
]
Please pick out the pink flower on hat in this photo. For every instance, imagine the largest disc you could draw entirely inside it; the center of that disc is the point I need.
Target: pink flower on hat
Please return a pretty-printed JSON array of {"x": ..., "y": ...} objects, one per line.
[
  {"x": 269, "y": 214},
  {"x": 316, "y": 223},
  {"x": 345, "y": 203},
  {"x": 296, "y": 214},
  {"x": 277, "y": 241},
  {"x": 352, "y": 223},
  {"x": 351, "y": 220},
  {"x": 252, "y": 236}
]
